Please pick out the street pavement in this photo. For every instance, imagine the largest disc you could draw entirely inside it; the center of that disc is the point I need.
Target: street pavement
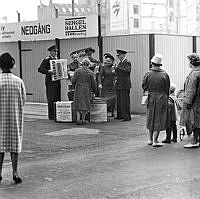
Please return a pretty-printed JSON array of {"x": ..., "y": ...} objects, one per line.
[{"x": 108, "y": 160}]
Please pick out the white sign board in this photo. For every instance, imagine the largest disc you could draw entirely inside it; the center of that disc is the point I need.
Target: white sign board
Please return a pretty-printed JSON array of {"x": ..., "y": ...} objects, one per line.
[
  {"x": 64, "y": 111},
  {"x": 62, "y": 28},
  {"x": 59, "y": 66},
  {"x": 118, "y": 15}
]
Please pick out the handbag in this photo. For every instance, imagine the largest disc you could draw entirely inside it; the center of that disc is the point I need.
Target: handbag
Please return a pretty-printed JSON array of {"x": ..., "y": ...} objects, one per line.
[{"x": 144, "y": 100}]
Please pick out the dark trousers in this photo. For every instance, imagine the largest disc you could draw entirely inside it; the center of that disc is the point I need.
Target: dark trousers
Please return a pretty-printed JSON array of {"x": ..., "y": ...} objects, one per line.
[
  {"x": 170, "y": 129},
  {"x": 53, "y": 95},
  {"x": 123, "y": 104}
]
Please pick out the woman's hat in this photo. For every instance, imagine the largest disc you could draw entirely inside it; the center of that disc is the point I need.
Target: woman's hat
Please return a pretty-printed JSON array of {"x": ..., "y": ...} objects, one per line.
[
  {"x": 108, "y": 55},
  {"x": 157, "y": 59},
  {"x": 85, "y": 62},
  {"x": 194, "y": 59},
  {"x": 52, "y": 48},
  {"x": 7, "y": 61}
]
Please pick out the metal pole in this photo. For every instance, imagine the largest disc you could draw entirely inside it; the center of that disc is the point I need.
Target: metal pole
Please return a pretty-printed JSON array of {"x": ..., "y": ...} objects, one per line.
[
  {"x": 72, "y": 7},
  {"x": 56, "y": 12},
  {"x": 57, "y": 40},
  {"x": 100, "y": 40},
  {"x": 18, "y": 16},
  {"x": 20, "y": 58}
]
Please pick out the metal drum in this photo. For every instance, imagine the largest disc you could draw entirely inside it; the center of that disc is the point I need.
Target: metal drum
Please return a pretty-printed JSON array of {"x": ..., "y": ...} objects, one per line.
[{"x": 98, "y": 110}]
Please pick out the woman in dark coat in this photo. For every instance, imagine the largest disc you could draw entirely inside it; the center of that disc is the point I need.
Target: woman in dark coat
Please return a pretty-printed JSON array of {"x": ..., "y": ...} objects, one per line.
[
  {"x": 191, "y": 99},
  {"x": 157, "y": 83},
  {"x": 83, "y": 83},
  {"x": 106, "y": 82}
]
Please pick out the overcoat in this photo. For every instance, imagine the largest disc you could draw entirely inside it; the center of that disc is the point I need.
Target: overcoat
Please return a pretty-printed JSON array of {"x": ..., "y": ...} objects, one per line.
[
  {"x": 83, "y": 83},
  {"x": 107, "y": 79},
  {"x": 12, "y": 101},
  {"x": 53, "y": 92},
  {"x": 157, "y": 83},
  {"x": 192, "y": 97},
  {"x": 123, "y": 85}
]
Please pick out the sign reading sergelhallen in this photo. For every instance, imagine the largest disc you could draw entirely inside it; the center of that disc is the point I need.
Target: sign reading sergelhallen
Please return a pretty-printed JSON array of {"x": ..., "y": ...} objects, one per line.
[
  {"x": 72, "y": 27},
  {"x": 76, "y": 26}
]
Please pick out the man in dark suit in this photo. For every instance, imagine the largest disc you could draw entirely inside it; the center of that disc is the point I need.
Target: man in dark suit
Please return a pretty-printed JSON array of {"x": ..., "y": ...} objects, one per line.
[
  {"x": 123, "y": 85},
  {"x": 95, "y": 64},
  {"x": 71, "y": 67},
  {"x": 53, "y": 92}
]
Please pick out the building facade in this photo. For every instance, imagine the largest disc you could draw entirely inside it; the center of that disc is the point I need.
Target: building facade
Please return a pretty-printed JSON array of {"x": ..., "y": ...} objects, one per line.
[{"x": 134, "y": 16}]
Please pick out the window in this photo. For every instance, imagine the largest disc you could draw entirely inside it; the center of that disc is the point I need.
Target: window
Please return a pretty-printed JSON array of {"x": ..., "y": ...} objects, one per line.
[
  {"x": 171, "y": 3},
  {"x": 152, "y": 25},
  {"x": 135, "y": 9},
  {"x": 152, "y": 11},
  {"x": 136, "y": 23},
  {"x": 171, "y": 17}
]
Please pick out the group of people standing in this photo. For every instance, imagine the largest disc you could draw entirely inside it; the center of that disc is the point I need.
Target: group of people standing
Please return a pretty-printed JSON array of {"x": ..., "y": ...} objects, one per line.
[
  {"x": 161, "y": 102},
  {"x": 113, "y": 83},
  {"x": 106, "y": 80}
]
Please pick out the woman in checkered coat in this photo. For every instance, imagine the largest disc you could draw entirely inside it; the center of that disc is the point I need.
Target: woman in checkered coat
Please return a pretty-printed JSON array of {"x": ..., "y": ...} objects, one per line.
[{"x": 12, "y": 100}]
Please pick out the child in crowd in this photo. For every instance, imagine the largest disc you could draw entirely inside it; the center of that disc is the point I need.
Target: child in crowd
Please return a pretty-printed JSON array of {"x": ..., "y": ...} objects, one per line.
[{"x": 172, "y": 116}]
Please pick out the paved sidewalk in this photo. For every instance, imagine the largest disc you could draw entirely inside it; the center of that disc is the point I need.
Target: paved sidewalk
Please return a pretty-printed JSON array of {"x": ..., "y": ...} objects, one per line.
[
  {"x": 108, "y": 160},
  {"x": 36, "y": 110}
]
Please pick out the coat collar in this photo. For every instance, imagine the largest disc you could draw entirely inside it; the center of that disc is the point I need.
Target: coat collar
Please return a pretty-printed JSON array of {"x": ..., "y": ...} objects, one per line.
[{"x": 158, "y": 69}]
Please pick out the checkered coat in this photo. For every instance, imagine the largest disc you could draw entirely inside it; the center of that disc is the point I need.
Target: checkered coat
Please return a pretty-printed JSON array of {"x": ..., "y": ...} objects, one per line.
[{"x": 12, "y": 100}]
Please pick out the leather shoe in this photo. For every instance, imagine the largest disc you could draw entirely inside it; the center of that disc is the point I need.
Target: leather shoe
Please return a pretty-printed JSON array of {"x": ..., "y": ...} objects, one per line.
[
  {"x": 118, "y": 118},
  {"x": 17, "y": 179},
  {"x": 166, "y": 141},
  {"x": 174, "y": 140}
]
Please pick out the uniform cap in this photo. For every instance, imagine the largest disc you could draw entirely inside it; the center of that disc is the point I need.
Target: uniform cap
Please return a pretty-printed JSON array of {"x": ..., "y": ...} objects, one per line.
[
  {"x": 87, "y": 50},
  {"x": 119, "y": 52},
  {"x": 72, "y": 54},
  {"x": 52, "y": 48},
  {"x": 108, "y": 55}
]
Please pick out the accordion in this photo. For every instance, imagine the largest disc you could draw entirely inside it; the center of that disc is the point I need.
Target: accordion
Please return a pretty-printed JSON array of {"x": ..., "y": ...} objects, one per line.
[{"x": 59, "y": 67}]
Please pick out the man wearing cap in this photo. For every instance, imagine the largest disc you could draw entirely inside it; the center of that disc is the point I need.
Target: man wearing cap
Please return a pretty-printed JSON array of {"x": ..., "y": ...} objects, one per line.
[
  {"x": 53, "y": 92},
  {"x": 75, "y": 64},
  {"x": 71, "y": 67},
  {"x": 123, "y": 86},
  {"x": 95, "y": 64},
  {"x": 89, "y": 53}
]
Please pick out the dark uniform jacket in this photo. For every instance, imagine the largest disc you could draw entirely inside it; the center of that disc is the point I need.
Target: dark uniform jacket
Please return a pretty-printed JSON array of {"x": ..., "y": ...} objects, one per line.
[
  {"x": 53, "y": 87},
  {"x": 123, "y": 72},
  {"x": 44, "y": 67},
  {"x": 73, "y": 65}
]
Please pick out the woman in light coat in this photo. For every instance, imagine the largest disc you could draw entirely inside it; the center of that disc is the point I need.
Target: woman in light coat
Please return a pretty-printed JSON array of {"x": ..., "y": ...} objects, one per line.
[
  {"x": 12, "y": 100},
  {"x": 83, "y": 84},
  {"x": 191, "y": 99},
  {"x": 157, "y": 83}
]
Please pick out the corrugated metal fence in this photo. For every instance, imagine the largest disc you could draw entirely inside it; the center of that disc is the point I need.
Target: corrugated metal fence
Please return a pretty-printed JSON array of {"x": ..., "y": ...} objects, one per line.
[{"x": 140, "y": 47}]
